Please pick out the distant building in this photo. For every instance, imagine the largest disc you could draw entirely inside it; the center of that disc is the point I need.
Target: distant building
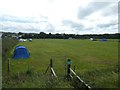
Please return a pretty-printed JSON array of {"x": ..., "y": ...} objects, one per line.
[{"x": 70, "y": 38}]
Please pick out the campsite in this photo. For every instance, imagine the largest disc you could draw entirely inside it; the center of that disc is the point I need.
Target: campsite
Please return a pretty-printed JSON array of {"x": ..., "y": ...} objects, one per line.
[
  {"x": 95, "y": 62},
  {"x": 59, "y": 44}
]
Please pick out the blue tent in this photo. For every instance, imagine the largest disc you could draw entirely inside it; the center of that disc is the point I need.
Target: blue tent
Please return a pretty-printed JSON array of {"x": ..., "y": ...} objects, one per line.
[
  {"x": 21, "y": 52},
  {"x": 104, "y": 39}
]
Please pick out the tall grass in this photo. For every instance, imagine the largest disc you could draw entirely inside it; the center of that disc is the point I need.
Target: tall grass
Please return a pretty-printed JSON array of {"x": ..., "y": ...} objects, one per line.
[{"x": 7, "y": 46}]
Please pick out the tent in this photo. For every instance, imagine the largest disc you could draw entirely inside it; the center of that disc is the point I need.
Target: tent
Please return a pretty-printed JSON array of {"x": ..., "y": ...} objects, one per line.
[
  {"x": 22, "y": 40},
  {"x": 104, "y": 39},
  {"x": 93, "y": 39},
  {"x": 21, "y": 52},
  {"x": 30, "y": 40}
]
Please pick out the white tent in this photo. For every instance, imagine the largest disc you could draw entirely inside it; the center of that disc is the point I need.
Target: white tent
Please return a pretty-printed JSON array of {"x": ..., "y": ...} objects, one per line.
[
  {"x": 22, "y": 40},
  {"x": 91, "y": 39},
  {"x": 30, "y": 40}
]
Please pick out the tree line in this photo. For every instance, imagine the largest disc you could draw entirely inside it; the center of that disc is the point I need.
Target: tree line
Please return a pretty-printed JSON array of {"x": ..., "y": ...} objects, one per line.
[{"x": 43, "y": 35}]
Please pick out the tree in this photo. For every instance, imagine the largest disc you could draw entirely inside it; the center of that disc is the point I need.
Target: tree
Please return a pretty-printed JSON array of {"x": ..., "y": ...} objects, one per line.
[{"x": 42, "y": 35}]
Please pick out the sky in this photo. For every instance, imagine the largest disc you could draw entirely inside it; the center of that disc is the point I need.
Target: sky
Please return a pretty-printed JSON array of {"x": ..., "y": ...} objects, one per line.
[{"x": 59, "y": 16}]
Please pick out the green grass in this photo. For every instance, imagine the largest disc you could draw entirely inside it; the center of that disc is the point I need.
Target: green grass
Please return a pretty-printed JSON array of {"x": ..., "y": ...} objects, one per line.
[{"x": 96, "y": 63}]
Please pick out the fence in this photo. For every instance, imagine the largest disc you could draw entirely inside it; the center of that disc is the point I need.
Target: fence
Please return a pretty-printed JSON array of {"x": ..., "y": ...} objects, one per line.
[
  {"x": 51, "y": 69},
  {"x": 68, "y": 74},
  {"x": 73, "y": 71}
]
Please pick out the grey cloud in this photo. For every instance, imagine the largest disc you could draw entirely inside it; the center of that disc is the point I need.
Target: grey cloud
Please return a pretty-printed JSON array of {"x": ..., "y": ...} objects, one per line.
[
  {"x": 4, "y": 18},
  {"x": 91, "y": 8},
  {"x": 72, "y": 24},
  {"x": 88, "y": 29},
  {"x": 106, "y": 25},
  {"x": 29, "y": 24},
  {"x": 119, "y": 8},
  {"x": 16, "y": 27},
  {"x": 111, "y": 10},
  {"x": 50, "y": 28}
]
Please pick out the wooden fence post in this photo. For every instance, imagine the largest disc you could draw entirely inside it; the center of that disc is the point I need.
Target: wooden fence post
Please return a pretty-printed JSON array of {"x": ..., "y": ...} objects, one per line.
[
  {"x": 51, "y": 65},
  {"x": 68, "y": 68},
  {"x": 8, "y": 65},
  {"x": 68, "y": 71},
  {"x": 51, "y": 69}
]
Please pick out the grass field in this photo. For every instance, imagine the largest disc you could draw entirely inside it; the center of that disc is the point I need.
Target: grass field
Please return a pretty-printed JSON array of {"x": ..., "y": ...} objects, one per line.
[{"x": 96, "y": 63}]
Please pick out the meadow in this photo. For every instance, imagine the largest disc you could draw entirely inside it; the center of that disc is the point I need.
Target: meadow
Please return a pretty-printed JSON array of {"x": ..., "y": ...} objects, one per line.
[{"x": 96, "y": 63}]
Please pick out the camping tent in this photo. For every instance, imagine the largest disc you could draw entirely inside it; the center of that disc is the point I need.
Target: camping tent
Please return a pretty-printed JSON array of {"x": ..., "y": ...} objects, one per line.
[
  {"x": 30, "y": 40},
  {"x": 93, "y": 39},
  {"x": 104, "y": 39},
  {"x": 21, "y": 52},
  {"x": 22, "y": 40}
]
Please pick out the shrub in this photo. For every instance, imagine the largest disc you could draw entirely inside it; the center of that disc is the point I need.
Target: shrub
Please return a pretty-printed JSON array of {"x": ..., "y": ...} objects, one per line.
[{"x": 7, "y": 45}]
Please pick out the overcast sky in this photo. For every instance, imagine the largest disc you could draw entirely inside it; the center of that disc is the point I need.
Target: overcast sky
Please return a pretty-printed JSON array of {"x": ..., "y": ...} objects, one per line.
[{"x": 59, "y": 16}]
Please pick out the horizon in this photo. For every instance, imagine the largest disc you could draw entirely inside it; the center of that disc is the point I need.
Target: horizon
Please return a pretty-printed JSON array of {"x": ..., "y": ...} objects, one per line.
[{"x": 58, "y": 33}]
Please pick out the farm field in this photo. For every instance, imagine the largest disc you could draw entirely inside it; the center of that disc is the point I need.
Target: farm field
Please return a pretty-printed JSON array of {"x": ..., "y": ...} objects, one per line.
[{"x": 96, "y": 63}]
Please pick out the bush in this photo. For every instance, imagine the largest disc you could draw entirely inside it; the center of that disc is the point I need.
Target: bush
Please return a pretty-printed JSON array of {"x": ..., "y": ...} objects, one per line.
[{"x": 7, "y": 45}]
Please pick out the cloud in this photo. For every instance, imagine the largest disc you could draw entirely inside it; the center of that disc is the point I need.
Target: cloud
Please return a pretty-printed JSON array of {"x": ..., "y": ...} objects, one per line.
[
  {"x": 25, "y": 24},
  {"x": 91, "y": 8},
  {"x": 107, "y": 25},
  {"x": 50, "y": 28},
  {"x": 63, "y": 16},
  {"x": 112, "y": 9},
  {"x": 72, "y": 24},
  {"x": 4, "y": 18}
]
